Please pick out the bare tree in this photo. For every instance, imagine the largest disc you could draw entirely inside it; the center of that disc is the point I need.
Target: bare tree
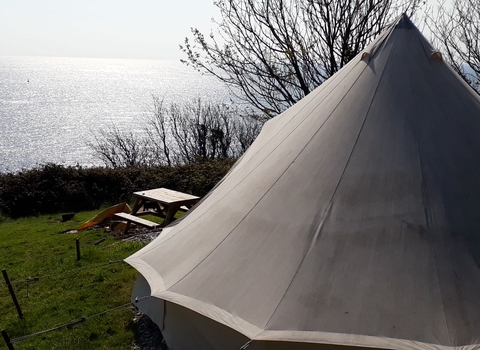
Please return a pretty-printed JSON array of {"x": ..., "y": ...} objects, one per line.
[
  {"x": 246, "y": 129},
  {"x": 456, "y": 31},
  {"x": 157, "y": 131},
  {"x": 178, "y": 134},
  {"x": 209, "y": 131},
  {"x": 272, "y": 53},
  {"x": 117, "y": 148}
]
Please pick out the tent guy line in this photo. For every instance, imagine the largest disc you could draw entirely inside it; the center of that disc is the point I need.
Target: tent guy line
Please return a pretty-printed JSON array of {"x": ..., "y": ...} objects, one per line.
[{"x": 77, "y": 321}]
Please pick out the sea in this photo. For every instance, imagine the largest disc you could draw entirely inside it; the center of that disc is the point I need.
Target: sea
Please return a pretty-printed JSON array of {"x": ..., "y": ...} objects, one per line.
[{"x": 52, "y": 107}]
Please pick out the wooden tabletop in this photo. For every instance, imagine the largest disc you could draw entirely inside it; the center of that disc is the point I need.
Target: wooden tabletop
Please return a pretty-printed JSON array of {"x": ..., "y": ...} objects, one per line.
[{"x": 166, "y": 196}]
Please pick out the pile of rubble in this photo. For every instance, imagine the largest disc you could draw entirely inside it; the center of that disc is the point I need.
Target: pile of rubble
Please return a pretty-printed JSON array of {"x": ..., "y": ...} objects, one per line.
[{"x": 149, "y": 336}]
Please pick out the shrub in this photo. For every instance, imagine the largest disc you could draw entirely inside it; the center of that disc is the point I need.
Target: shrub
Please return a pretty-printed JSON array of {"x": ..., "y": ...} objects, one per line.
[{"x": 54, "y": 188}]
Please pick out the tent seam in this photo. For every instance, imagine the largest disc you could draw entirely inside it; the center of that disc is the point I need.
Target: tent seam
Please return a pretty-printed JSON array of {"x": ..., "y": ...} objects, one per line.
[
  {"x": 425, "y": 200},
  {"x": 323, "y": 85},
  {"x": 230, "y": 174},
  {"x": 275, "y": 182},
  {"x": 327, "y": 211}
]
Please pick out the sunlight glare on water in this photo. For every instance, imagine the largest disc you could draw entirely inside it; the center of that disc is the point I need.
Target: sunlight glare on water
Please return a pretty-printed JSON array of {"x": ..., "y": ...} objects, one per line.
[{"x": 50, "y": 106}]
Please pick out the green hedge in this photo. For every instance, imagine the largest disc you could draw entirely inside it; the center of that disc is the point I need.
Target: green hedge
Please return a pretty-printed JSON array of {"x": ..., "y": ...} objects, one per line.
[{"x": 54, "y": 188}]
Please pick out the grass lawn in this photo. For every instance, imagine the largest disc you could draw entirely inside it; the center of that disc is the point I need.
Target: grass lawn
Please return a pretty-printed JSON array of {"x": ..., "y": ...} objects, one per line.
[{"x": 67, "y": 289}]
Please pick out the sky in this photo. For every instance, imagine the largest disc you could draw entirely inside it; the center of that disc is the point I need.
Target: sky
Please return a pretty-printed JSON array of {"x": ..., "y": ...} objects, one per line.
[{"x": 145, "y": 29}]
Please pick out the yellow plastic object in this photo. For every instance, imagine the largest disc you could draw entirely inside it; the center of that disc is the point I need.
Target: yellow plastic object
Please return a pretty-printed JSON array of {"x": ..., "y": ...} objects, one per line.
[{"x": 105, "y": 215}]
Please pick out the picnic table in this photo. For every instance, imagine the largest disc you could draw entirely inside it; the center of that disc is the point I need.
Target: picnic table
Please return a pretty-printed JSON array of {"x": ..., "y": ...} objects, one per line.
[{"x": 162, "y": 202}]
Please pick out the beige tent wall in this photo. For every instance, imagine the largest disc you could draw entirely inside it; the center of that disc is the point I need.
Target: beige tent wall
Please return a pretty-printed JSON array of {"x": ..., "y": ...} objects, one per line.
[
  {"x": 184, "y": 329},
  {"x": 353, "y": 219}
]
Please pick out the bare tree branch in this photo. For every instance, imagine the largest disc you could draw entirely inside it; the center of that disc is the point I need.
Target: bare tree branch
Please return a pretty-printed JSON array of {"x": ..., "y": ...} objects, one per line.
[
  {"x": 178, "y": 134},
  {"x": 456, "y": 31},
  {"x": 275, "y": 52}
]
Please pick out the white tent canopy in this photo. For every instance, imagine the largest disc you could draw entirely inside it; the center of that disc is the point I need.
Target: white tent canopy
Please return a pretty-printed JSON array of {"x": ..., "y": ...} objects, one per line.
[{"x": 352, "y": 221}]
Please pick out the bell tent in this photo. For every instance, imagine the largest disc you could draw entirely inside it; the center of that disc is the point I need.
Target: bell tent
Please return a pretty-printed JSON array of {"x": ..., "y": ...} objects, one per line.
[{"x": 353, "y": 221}]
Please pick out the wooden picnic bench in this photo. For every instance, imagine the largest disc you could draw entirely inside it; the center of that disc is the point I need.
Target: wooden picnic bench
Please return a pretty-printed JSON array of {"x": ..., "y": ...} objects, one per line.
[
  {"x": 160, "y": 202},
  {"x": 129, "y": 218}
]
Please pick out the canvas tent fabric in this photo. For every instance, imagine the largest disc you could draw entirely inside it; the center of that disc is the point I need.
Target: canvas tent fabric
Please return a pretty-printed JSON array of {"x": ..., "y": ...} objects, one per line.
[{"x": 353, "y": 221}]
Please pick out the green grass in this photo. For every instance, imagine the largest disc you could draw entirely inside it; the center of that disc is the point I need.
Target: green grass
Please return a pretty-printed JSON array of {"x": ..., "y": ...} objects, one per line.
[{"x": 67, "y": 289}]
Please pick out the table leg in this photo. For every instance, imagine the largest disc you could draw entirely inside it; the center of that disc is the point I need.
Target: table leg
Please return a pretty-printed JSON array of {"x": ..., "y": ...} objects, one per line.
[
  {"x": 126, "y": 228},
  {"x": 159, "y": 210},
  {"x": 136, "y": 207},
  {"x": 171, "y": 211}
]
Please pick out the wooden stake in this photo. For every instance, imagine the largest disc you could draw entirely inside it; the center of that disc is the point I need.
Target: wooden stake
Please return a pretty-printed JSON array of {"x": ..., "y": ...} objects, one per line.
[
  {"x": 12, "y": 293},
  {"x": 7, "y": 340},
  {"x": 77, "y": 243}
]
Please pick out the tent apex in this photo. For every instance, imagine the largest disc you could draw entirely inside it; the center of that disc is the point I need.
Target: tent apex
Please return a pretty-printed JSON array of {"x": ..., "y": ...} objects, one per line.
[{"x": 405, "y": 22}]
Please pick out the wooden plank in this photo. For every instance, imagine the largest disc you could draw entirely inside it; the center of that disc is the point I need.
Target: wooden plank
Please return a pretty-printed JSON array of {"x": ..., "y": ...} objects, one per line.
[
  {"x": 137, "y": 220},
  {"x": 12, "y": 293}
]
